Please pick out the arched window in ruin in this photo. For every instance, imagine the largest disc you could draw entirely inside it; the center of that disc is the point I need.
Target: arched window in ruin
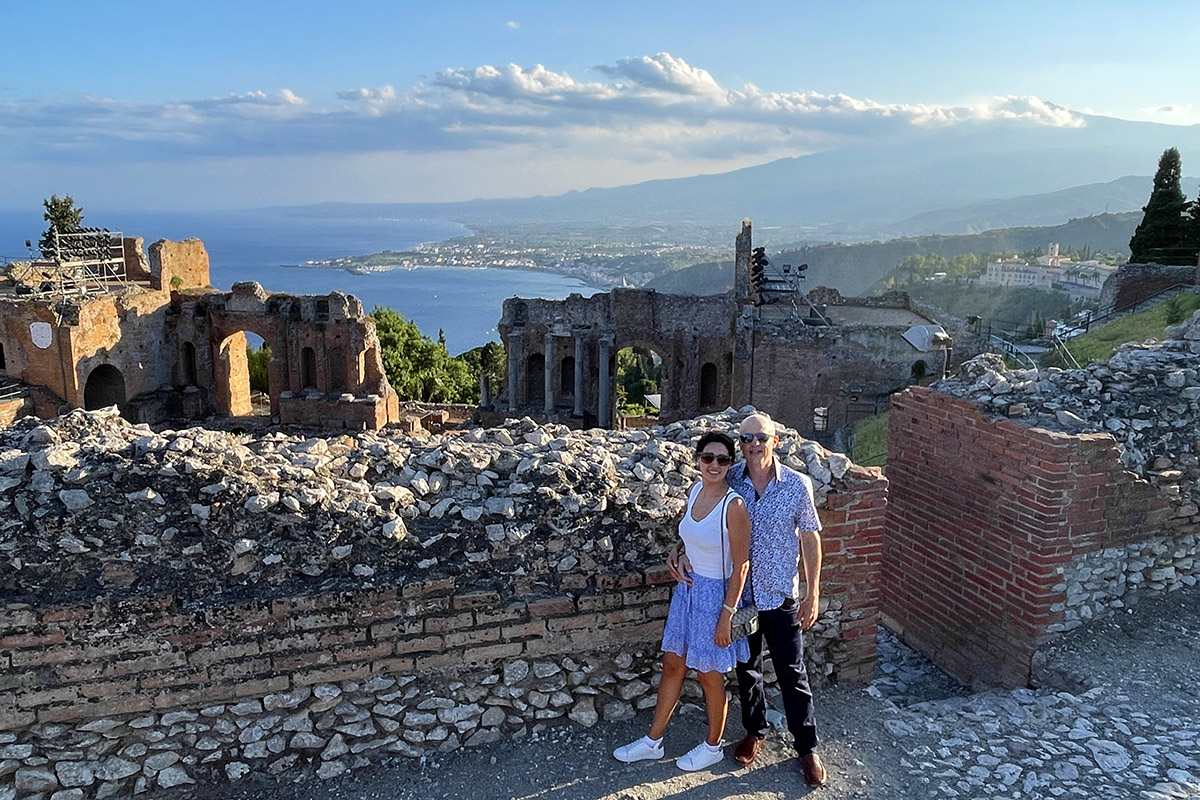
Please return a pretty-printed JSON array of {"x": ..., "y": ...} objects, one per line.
[
  {"x": 337, "y": 369},
  {"x": 104, "y": 387},
  {"x": 535, "y": 378},
  {"x": 708, "y": 385},
  {"x": 919, "y": 370},
  {"x": 566, "y": 377},
  {"x": 308, "y": 368},
  {"x": 189, "y": 364}
]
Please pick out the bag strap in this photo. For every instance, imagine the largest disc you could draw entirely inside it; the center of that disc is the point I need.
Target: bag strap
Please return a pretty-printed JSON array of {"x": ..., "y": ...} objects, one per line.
[
  {"x": 724, "y": 534},
  {"x": 749, "y": 548}
]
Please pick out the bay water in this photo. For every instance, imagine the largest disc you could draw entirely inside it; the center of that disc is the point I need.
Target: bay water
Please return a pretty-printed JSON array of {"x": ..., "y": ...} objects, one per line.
[{"x": 255, "y": 245}]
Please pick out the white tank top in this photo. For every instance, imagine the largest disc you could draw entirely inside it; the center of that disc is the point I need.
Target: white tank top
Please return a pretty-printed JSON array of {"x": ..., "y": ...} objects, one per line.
[{"x": 704, "y": 539}]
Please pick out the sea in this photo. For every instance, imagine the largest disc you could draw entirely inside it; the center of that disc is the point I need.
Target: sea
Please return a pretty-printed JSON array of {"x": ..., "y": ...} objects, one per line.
[{"x": 463, "y": 303}]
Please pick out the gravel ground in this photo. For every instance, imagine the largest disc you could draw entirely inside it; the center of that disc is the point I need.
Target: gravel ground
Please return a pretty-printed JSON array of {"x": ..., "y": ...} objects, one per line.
[{"x": 1118, "y": 715}]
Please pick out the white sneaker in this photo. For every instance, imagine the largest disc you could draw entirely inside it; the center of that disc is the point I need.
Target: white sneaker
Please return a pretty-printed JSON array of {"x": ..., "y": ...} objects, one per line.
[
  {"x": 700, "y": 757},
  {"x": 640, "y": 750}
]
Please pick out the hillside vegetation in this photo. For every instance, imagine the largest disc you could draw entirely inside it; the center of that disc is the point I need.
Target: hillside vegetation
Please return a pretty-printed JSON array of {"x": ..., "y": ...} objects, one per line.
[
  {"x": 860, "y": 269},
  {"x": 1007, "y": 311},
  {"x": 1100, "y": 343}
]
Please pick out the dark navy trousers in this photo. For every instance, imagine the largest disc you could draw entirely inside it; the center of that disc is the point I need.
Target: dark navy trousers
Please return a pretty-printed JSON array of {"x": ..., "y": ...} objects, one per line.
[{"x": 785, "y": 639}]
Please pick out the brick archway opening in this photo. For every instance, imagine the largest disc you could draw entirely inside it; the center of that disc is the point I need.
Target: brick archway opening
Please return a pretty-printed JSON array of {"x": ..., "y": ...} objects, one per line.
[
  {"x": 236, "y": 394},
  {"x": 105, "y": 387},
  {"x": 535, "y": 378}
]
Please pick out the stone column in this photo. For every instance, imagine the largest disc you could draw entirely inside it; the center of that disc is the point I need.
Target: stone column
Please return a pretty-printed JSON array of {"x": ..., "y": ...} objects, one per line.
[
  {"x": 605, "y": 413},
  {"x": 549, "y": 407},
  {"x": 579, "y": 341},
  {"x": 514, "y": 367}
]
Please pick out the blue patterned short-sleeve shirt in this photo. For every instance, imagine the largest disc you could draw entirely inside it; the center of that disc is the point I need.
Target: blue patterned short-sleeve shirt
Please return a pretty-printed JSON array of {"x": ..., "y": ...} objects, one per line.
[{"x": 776, "y": 519}]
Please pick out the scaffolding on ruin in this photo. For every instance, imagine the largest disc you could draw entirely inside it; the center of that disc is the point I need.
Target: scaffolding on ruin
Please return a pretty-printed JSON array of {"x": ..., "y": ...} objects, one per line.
[{"x": 82, "y": 262}]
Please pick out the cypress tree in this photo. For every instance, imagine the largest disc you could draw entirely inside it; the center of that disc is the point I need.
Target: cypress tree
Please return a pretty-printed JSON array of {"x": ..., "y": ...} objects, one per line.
[
  {"x": 1191, "y": 233},
  {"x": 1160, "y": 234}
]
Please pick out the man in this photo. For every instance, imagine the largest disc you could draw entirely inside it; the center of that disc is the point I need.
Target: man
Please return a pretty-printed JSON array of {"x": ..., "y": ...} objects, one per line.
[{"x": 784, "y": 533}]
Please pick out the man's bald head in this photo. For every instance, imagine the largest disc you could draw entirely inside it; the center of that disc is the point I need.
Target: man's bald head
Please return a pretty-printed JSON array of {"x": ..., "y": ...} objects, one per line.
[{"x": 758, "y": 423}]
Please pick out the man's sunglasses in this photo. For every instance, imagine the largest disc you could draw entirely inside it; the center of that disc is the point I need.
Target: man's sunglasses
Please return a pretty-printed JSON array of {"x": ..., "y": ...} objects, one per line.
[
  {"x": 747, "y": 438},
  {"x": 720, "y": 458}
]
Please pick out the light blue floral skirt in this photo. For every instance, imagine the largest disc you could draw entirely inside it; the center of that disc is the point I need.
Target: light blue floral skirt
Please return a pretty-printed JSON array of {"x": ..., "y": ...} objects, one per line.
[{"x": 692, "y": 622}]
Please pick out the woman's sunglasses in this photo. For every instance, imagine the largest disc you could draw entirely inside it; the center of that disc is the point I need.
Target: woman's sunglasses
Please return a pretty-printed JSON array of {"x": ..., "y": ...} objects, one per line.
[
  {"x": 747, "y": 438},
  {"x": 720, "y": 458}
]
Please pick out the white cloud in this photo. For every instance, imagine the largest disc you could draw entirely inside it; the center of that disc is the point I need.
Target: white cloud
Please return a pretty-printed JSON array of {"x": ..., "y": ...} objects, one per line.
[
  {"x": 513, "y": 25},
  {"x": 641, "y": 109}
]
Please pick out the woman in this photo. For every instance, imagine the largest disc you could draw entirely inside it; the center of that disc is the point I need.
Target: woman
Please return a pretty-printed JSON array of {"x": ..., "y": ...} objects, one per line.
[{"x": 716, "y": 534}]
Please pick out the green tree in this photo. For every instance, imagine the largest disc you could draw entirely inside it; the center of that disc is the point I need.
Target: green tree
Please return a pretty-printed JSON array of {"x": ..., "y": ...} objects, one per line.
[
  {"x": 488, "y": 360},
  {"x": 1191, "y": 234},
  {"x": 63, "y": 215},
  {"x": 256, "y": 364},
  {"x": 419, "y": 368},
  {"x": 637, "y": 376},
  {"x": 1160, "y": 234}
]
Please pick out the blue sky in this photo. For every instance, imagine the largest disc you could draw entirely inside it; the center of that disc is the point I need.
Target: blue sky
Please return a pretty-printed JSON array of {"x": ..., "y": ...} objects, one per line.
[{"x": 226, "y": 105}]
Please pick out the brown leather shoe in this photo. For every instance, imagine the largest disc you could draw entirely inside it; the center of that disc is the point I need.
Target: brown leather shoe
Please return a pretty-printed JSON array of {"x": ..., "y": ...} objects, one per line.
[
  {"x": 814, "y": 769},
  {"x": 747, "y": 751}
]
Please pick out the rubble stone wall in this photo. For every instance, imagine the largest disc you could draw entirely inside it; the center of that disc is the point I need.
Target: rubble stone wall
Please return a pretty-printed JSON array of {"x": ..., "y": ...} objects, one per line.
[
  {"x": 1001, "y": 535},
  {"x": 1133, "y": 283},
  {"x": 193, "y": 605}
]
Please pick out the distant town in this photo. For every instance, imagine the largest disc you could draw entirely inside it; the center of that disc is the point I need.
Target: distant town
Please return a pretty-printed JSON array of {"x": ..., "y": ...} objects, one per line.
[{"x": 600, "y": 264}]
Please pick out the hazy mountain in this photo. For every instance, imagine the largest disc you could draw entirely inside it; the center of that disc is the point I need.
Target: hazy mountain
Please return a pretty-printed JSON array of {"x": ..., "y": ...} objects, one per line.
[
  {"x": 1124, "y": 194},
  {"x": 947, "y": 179}
]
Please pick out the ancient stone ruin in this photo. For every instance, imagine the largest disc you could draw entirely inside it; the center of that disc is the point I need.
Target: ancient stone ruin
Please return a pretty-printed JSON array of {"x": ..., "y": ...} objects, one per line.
[
  {"x": 817, "y": 366},
  {"x": 190, "y": 605},
  {"x": 163, "y": 344}
]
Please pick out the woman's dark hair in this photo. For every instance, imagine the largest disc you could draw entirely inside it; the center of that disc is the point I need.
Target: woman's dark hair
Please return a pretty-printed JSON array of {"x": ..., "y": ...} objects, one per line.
[{"x": 718, "y": 437}]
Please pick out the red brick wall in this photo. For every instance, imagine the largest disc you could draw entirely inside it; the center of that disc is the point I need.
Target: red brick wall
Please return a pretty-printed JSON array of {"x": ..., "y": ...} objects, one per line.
[
  {"x": 983, "y": 516},
  {"x": 852, "y": 544}
]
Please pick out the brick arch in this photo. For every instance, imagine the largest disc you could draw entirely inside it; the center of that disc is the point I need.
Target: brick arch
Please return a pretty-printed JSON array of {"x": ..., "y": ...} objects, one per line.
[
  {"x": 105, "y": 386},
  {"x": 231, "y": 370}
]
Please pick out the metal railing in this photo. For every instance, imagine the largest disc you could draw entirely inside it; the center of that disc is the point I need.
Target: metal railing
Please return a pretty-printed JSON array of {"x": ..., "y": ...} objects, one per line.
[
  {"x": 1005, "y": 347},
  {"x": 1092, "y": 320}
]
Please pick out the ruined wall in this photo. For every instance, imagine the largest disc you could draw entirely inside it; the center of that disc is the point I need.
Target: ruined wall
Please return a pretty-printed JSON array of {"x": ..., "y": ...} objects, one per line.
[
  {"x": 325, "y": 366},
  {"x": 314, "y": 604},
  {"x": 1133, "y": 283},
  {"x": 123, "y": 330},
  {"x": 685, "y": 332},
  {"x": 795, "y": 368},
  {"x": 13, "y": 408},
  {"x": 137, "y": 266},
  {"x": 186, "y": 261},
  {"x": 1025, "y": 504}
]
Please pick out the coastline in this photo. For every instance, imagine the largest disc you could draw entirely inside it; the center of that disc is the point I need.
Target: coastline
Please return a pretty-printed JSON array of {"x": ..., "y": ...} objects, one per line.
[{"x": 357, "y": 270}]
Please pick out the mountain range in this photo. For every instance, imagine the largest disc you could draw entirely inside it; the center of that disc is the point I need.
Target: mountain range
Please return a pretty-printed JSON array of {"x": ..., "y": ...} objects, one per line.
[{"x": 935, "y": 180}]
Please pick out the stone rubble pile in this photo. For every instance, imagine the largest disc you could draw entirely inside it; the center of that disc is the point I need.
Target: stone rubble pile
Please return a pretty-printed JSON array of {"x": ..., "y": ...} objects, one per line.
[
  {"x": 90, "y": 503},
  {"x": 1147, "y": 396}
]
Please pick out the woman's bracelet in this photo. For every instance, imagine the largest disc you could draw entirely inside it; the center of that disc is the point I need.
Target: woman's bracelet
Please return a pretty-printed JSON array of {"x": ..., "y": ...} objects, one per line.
[{"x": 730, "y": 609}]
